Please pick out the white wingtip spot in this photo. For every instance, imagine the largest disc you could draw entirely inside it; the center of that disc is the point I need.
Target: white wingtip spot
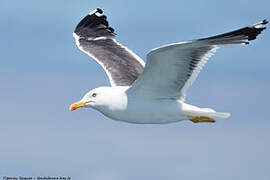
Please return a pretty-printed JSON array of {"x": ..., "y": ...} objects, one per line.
[
  {"x": 258, "y": 24},
  {"x": 95, "y": 12}
]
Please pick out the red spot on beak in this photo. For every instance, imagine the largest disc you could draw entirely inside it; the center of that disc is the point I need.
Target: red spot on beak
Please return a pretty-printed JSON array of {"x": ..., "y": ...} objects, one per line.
[
  {"x": 73, "y": 108},
  {"x": 76, "y": 105}
]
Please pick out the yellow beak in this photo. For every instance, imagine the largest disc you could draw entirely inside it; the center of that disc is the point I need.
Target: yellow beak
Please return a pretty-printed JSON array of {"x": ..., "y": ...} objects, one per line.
[{"x": 76, "y": 105}]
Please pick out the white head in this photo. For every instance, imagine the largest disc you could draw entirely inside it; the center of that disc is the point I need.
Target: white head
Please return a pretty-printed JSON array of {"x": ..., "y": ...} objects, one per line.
[{"x": 98, "y": 98}]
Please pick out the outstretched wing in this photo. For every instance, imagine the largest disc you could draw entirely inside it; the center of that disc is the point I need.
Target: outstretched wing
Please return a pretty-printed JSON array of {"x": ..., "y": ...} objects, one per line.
[
  {"x": 94, "y": 37},
  {"x": 172, "y": 68}
]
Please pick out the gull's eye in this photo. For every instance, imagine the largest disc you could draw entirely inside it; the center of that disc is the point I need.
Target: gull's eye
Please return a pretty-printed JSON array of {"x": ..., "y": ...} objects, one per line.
[{"x": 94, "y": 94}]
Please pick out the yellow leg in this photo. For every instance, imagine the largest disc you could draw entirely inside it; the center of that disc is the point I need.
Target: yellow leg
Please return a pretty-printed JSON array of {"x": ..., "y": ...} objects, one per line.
[{"x": 201, "y": 119}]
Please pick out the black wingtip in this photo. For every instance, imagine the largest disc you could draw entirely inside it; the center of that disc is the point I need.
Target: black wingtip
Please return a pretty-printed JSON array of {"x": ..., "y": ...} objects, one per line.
[
  {"x": 256, "y": 29},
  {"x": 94, "y": 25},
  {"x": 99, "y": 10},
  {"x": 111, "y": 29},
  {"x": 240, "y": 36},
  {"x": 264, "y": 21},
  {"x": 103, "y": 17}
]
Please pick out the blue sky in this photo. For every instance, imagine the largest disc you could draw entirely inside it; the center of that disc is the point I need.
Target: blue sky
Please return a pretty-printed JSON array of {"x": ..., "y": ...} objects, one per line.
[{"x": 42, "y": 72}]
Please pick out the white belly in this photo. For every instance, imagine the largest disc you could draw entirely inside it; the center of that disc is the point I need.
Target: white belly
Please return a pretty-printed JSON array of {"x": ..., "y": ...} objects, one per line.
[{"x": 148, "y": 112}]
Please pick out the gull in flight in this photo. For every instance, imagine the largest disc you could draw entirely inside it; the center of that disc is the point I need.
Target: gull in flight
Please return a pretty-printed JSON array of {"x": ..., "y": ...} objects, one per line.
[{"x": 153, "y": 92}]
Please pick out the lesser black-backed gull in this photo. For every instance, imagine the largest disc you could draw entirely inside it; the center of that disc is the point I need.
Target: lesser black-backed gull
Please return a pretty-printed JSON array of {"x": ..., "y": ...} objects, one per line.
[{"x": 151, "y": 93}]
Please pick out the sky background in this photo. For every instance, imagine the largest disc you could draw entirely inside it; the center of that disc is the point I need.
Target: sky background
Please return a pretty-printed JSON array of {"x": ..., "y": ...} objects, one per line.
[{"x": 42, "y": 72}]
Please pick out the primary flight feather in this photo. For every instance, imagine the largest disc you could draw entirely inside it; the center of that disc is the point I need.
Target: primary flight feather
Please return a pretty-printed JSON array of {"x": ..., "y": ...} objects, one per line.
[{"x": 151, "y": 93}]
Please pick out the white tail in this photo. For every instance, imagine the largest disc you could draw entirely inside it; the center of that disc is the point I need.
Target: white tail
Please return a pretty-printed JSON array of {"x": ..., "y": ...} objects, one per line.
[
  {"x": 193, "y": 111},
  {"x": 220, "y": 115}
]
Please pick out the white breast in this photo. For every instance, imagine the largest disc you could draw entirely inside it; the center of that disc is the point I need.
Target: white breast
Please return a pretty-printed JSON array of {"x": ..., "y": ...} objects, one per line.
[{"x": 146, "y": 111}]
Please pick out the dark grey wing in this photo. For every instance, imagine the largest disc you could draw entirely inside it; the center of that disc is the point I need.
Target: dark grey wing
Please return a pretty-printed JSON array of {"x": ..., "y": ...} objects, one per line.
[{"x": 94, "y": 37}]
